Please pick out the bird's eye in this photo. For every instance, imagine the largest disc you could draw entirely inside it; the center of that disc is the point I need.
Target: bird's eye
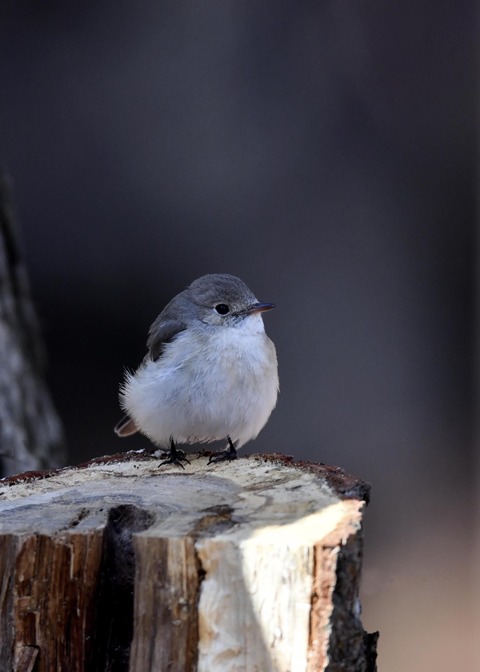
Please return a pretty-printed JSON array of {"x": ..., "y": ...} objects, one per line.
[{"x": 222, "y": 308}]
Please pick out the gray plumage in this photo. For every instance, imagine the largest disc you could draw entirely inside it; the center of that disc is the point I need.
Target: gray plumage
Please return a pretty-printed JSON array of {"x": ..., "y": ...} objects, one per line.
[
  {"x": 210, "y": 371},
  {"x": 196, "y": 302}
]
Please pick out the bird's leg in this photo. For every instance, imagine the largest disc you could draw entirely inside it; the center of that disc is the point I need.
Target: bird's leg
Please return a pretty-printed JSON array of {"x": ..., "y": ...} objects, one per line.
[
  {"x": 175, "y": 456},
  {"x": 229, "y": 454}
]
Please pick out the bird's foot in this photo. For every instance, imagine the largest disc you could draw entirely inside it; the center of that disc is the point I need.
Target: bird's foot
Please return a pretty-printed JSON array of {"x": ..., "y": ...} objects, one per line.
[
  {"x": 175, "y": 456},
  {"x": 229, "y": 454}
]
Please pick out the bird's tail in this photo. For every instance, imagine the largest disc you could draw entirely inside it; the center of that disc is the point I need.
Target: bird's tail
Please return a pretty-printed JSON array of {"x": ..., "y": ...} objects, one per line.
[{"x": 125, "y": 427}]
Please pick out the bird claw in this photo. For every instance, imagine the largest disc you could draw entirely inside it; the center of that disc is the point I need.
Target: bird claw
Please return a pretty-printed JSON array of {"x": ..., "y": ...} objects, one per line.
[
  {"x": 175, "y": 456},
  {"x": 229, "y": 454}
]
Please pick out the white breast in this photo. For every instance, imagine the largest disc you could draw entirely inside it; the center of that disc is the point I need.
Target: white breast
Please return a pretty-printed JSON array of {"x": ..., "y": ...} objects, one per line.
[{"x": 207, "y": 385}]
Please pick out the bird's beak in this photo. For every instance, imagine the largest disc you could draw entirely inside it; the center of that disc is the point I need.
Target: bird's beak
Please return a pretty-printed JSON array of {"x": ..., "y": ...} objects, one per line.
[{"x": 259, "y": 308}]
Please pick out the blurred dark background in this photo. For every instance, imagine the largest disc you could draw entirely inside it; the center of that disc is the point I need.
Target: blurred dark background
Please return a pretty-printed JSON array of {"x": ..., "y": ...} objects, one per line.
[{"x": 324, "y": 152}]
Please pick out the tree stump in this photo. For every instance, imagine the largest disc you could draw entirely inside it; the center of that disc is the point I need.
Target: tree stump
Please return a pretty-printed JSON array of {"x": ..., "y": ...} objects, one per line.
[{"x": 251, "y": 565}]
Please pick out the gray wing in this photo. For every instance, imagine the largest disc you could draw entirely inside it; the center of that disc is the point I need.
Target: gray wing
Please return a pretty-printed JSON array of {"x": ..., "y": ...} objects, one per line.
[{"x": 167, "y": 325}]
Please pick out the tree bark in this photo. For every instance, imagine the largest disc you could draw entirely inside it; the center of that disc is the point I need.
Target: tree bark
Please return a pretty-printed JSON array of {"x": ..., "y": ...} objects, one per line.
[
  {"x": 30, "y": 432},
  {"x": 251, "y": 565}
]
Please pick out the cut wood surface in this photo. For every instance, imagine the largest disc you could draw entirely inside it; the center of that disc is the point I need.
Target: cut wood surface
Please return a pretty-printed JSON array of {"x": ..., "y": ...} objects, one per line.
[{"x": 251, "y": 565}]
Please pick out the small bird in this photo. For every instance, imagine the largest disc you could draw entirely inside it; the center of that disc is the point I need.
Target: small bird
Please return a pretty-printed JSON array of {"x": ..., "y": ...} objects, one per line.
[{"x": 210, "y": 372}]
